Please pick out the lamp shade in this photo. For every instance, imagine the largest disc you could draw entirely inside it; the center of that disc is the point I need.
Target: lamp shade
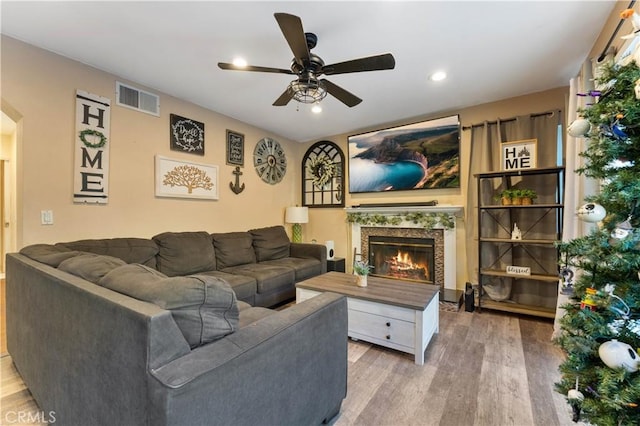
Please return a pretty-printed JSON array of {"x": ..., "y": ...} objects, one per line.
[{"x": 297, "y": 215}]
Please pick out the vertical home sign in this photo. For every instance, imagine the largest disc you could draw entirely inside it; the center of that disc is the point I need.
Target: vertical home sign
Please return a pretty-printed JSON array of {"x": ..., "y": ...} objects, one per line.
[{"x": 91, "y": 174}]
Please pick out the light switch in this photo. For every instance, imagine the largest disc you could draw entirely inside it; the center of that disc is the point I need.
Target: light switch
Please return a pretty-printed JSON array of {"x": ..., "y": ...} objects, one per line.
[{"x": 46, "y": 217}]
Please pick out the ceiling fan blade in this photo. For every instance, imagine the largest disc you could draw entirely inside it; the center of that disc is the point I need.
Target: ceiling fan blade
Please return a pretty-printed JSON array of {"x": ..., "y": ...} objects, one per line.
[
  {"x": 233, "y": 67},
  {"x": 347, "y": 98},
  {"x": 385, "y": 61},
  {"x": 291, "y": 27},
  {"x": 284, "y": 98}
]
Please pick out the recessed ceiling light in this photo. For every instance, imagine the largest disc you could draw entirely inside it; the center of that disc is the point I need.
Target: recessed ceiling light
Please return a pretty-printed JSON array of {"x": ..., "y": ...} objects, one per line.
[
  {"x": 438, "y": 76},
  {"x": 316, "y": 109},
  {"x": 240, "y": 62}
]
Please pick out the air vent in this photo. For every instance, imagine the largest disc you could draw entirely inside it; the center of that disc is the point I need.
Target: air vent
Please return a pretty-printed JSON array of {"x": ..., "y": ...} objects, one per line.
[{"x": 131, "y": 97}]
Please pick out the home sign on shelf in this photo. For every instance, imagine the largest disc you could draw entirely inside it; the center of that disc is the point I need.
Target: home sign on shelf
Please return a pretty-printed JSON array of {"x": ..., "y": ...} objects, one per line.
[{"x": 519, "y": 155}]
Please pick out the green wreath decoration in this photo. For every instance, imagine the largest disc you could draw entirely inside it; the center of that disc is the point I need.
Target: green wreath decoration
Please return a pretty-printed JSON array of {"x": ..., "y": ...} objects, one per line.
[
  {"x": 83, "y": 138},
  {"x": 322, "y": 170},
  {"x": 426, "y": 220}
]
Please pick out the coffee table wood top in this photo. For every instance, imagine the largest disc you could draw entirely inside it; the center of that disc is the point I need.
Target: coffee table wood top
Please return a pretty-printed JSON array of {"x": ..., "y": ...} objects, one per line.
[{"x": 389, "y": 291}]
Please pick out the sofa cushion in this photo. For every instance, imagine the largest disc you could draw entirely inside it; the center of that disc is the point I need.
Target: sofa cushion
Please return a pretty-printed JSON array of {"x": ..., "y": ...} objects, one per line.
[
  {"x": 131, "y": 250},
  {"x": 268, "y": 277},
  {"x": 184, "y": 253},
  {"x": 304, "y": 267},
  {"x": 244, "y": 286},
  {"x": 270, "y": 243},
  {"x": 92, "y": 267},
  {"x": 48, "y": 254},
  {"x": 204, "y": 307},
  {"x": 233, "y": 248}
]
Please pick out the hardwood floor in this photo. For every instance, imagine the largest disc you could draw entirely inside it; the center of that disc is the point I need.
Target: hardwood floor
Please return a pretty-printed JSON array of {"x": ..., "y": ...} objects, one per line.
[{"x": 481, "y": 369}]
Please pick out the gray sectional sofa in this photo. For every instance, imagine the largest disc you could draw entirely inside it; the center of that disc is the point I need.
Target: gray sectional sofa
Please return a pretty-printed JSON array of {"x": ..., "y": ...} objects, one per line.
[{"x": 170, "y": 330}]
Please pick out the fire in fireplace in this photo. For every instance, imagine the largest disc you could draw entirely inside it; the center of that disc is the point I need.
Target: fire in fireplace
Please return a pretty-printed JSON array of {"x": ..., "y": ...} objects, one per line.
[{"x": 410, "y": 259}]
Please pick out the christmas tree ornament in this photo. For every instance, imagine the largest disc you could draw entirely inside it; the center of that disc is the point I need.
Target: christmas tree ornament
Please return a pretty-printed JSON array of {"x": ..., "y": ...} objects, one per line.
[
  {"x": 619, "y": 355},
  {"x": 579, "y": 128},
  {"x": 575, "y": 398},
  {"x": 592, "y": 93},
  {"x": 635, "y": 22},
  {"x": 621, "y": 231},
  {"x": 618, "y": 129},
  {"x": 567, "y": 274},
  {"x": 636, "y": 88},
  {"x": 591, "y": 212},
  {"x": 589, "y": 299}
]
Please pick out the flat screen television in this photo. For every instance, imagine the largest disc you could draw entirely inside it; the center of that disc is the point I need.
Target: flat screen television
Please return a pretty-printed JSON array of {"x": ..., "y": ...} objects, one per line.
[{"x": 424, "y": 155}]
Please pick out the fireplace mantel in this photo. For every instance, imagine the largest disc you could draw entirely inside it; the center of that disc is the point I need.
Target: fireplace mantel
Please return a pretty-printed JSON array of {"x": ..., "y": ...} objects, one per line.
[
  {"x": 391, "y": 210},
  {"x": 449, "y": 234}
]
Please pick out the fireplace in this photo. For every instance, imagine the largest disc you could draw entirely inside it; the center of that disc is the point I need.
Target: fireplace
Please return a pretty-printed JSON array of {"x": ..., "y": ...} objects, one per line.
[
  {"x": 409, "y": 259},
  {"x": 443, "y": 270}
]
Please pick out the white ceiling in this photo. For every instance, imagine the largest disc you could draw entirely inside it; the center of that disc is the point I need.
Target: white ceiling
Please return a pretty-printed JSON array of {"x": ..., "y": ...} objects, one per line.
[{"x": 490, "y": 50}]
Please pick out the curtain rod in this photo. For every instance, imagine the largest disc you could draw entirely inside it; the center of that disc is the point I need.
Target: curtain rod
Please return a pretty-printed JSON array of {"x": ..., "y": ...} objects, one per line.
[
  {"x": 606, "y": 48},
  {"x": 506, "y": 120}
]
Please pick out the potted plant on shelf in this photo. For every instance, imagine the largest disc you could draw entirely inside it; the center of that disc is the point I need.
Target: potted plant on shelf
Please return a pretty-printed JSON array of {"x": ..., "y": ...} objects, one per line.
[
  {"x": 528, "y": 195},
  {"x": 516, "y": 197},
  {"x": 361, "y": 270},
  {"x": 505, "y": 197}
]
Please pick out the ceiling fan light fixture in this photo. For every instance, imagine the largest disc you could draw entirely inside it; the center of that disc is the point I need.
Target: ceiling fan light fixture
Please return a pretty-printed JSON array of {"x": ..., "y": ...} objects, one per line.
[
  {"x": 438, "y": 76},
  {"x": 240, "y": 62},
  {"x": 307, "y": 90},
  {"x": 316, "y": 109}
]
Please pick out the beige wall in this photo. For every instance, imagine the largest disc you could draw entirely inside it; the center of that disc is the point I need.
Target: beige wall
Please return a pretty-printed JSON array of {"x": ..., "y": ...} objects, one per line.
[{"x": 40, "y": 86}]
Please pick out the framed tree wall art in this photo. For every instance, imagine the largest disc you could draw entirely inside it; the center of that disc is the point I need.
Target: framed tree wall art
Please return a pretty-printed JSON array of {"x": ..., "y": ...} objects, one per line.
[
  {"x": 323, "y": 176},
  {"x": 185, "y": 179}
]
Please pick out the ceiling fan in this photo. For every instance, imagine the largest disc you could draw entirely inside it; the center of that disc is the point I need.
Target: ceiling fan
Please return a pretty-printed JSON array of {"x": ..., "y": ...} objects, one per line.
[{"x": 308, "y": 87}]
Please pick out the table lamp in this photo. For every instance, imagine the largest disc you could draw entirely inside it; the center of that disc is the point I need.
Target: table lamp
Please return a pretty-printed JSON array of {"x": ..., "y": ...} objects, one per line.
[{"x": 297, "y": 215}]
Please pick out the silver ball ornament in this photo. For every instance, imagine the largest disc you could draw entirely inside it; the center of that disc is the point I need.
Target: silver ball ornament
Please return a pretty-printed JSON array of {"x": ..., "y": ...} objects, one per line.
[
  {"x": 579, "y": 128},
  {"x": 575, "y": 394}
]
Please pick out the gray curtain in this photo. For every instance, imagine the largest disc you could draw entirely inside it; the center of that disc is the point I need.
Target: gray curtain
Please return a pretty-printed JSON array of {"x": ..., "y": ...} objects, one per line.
[{"x": 485, "y": 157}]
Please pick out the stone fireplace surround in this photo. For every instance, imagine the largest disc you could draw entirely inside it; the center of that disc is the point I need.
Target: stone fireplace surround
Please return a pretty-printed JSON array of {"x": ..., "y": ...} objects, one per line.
[{"x": 445, "y": 239}]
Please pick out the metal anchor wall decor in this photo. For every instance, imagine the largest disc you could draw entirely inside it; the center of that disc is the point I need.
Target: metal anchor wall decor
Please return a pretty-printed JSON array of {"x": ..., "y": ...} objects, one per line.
[{"x": 237, "y": 188}]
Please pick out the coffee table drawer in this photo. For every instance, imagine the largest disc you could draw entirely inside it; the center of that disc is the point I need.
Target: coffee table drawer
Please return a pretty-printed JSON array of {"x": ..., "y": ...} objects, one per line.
[
  {"x": 382, "y": 309},
  {"x": 381, "y": 329}
]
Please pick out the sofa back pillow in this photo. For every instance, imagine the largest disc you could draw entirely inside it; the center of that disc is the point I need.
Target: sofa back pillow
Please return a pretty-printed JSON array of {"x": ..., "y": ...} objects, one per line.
[
  {"x": 233, "y": 249},
  {"x": 131, "y": 250},
  {"x": 184, "y": 253},
  {"x": 48, "y": 254},
  {"x": 204, "y": 307},
  {"x": 92, "y": 267},
  {"x": 270, "y": 243}
]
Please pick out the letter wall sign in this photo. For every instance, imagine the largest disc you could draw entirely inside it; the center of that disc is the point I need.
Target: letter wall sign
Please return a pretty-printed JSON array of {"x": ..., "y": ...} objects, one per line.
[
  {"x": 519, "y": 155},
  {"x": 91, "y": 172}
]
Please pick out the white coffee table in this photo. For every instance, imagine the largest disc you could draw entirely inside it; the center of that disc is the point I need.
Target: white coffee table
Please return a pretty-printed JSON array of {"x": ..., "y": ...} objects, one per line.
[{"x": 396, "y": 314}]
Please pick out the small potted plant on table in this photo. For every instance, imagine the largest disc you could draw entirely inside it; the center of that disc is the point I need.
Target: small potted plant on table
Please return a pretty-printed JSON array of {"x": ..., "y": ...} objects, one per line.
[{"x": 361, "y": 270}]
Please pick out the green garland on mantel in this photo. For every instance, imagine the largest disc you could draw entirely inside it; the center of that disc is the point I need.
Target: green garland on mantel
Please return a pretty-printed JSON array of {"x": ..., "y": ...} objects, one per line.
[{"x": 426, "y": 220}]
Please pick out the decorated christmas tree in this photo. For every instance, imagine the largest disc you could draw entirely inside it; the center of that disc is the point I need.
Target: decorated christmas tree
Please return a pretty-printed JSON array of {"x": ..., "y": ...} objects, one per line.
[{"x": 601, "y": 271}]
